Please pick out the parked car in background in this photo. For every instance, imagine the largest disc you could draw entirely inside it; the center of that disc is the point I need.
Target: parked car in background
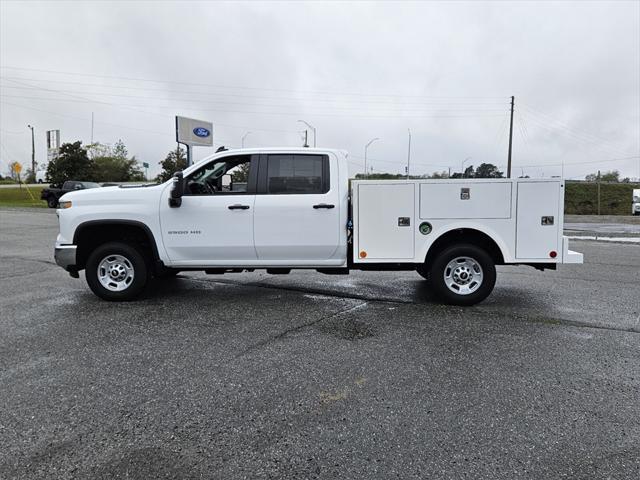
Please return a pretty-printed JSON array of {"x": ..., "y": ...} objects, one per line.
[
  {"x": 635, "y": 205},
  {"x": 41, "y": 176},
  {"x": 52, "y": 194}
]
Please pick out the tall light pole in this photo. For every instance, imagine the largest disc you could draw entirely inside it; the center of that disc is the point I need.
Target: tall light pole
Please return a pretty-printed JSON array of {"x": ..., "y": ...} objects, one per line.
[
  {"x": 510, "y": 138},
  {"x": 409, "y": 153},
  {"x": 366, "y": 174},
  {"x": 313, "y": 129},
  {"x": 463, "y": 162},
  {"x": 33, "y": 151},
  {"x": 243, "y": 137}
]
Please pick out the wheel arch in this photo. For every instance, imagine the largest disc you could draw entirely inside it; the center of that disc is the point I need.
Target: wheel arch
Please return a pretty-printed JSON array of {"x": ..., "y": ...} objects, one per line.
[
  {"x": 470, "y": 235},
  {"x": 90, "y": 234}
]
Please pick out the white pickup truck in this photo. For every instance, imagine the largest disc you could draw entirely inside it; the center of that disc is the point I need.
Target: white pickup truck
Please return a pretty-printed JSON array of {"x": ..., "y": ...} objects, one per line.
[{"x": 295, "y": 208}]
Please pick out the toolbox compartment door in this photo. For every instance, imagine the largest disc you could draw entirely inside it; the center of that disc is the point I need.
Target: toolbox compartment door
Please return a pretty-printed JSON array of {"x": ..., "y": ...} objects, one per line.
[
  {"x": 465, "y": 200},
  {"x": 386, "y": 221},
  {"x": 538, "y": 205}
]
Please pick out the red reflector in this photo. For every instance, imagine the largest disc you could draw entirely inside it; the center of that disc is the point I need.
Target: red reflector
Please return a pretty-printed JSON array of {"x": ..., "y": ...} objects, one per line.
[{"x": 553, "y": 254}]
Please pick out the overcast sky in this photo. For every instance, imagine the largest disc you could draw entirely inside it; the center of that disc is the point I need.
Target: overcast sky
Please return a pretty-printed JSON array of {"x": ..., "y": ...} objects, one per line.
[{"x": 355, "y": 71}]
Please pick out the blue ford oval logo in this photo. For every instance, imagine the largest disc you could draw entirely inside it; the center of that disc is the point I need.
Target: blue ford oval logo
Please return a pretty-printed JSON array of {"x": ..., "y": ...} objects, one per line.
[{"x": 201, "y": 132}]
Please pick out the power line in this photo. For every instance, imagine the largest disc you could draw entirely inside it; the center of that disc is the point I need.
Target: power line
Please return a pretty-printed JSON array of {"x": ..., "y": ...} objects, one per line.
[
  {"x": 346, "y": 113},
  {"x": 542, "y": 120},
  {"x": 360, "y": 94},
  {"x": 126, "y": 127},
  {"x": 581, "y": 163},
  {"x": 227, "y": 94},
  {"x": 200, "y": 105},
  {"x": 573, "y": 136},
  {"x": 391, "y": 106}
]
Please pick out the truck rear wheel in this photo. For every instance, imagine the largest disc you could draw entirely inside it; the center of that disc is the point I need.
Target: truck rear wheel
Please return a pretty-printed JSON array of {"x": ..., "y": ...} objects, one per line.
[
  {"x": 463, "y": 274},
  {"x": 116, "y": 271}
]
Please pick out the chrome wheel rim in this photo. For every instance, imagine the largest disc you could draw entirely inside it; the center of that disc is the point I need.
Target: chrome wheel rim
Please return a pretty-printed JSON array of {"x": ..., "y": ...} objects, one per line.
[
  {"x": 463, "y": 275},
  {"x": 115, "y": 273}
]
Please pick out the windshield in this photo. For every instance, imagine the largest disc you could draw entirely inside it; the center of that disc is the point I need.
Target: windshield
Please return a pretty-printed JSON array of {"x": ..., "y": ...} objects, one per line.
[
  {"x": 91, "y": 185},
  {"x": 209, "y": 172}
]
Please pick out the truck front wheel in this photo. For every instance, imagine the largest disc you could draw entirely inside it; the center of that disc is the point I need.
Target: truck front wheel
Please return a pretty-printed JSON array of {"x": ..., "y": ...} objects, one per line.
[
  {"x": 116, "y": 271},
  {"x": 52, "y": 202},
  {"x": 463, "y": 274}
]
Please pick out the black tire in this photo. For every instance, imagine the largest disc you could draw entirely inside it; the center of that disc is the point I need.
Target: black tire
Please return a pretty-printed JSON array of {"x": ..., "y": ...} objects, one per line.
[
  {"x": 136, "y": 263},
  {"x": 52, "y": 202},
  {"x": 485, "y": 278},
  {"x": 40, "y": 182}
]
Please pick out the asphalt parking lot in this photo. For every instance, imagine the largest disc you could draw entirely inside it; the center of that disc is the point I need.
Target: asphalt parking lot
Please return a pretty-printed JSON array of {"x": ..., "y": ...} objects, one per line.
[{"x": 305, "y": 376}]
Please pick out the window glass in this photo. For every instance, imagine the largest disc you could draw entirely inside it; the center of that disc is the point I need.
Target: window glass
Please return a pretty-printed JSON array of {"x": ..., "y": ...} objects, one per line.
[
  {"x": 228, "y": 175},
  {"x": 296, "y": 174}
]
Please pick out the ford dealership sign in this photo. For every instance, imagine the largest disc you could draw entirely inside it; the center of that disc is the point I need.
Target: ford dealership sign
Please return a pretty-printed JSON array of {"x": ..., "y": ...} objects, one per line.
[{"x": 194, "y": 133}]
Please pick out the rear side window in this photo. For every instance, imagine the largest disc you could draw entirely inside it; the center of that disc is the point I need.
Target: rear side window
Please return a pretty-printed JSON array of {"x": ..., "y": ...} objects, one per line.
[{"x": 297, "y": 174}]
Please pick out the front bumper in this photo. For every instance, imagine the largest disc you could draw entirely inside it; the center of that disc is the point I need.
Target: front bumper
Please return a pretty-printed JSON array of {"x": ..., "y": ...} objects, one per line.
[{"x": 65, "y": 256}]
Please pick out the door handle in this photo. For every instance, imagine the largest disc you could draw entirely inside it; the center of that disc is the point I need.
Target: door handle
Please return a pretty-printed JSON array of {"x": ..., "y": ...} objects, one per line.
[
  {"x": 238, "y": 207},
  {"x": 323, "y": 205}
]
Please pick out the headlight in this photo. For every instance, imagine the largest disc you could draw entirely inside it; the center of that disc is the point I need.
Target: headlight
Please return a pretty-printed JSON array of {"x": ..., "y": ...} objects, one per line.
[{"x": 64, "y": 204}]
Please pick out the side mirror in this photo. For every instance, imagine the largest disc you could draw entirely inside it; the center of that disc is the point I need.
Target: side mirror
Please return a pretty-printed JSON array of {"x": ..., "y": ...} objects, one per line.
[
  {"x": 177, "y": 190},
  {"x": 227, "y": 181}
]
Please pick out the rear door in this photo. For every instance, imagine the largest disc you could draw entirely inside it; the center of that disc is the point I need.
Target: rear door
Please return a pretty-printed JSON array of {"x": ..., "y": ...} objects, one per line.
[{"x": 297, "y": 209}]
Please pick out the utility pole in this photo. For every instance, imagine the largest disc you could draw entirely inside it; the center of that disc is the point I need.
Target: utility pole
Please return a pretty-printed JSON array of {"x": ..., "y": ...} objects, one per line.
[
  {"x": 510, "y": 138},
  {"x": 409, "y": 154},
  {"x": 366, "y": 174},
  {"x": 33, "y": 152},
  {"x": 306, "y": 139},
  {"x": 598, "y": 192},
  {"x": 92, "y": 128}
]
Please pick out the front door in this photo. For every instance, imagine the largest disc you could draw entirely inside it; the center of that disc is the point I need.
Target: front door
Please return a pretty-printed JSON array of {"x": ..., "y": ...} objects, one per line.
[
  {"x": 214, "y": 224},
  {"x": 297, "y": 210}
]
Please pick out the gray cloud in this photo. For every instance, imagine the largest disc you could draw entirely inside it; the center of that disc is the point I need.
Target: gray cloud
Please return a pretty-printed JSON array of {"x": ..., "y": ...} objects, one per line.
[{"x": 353, "y": 70}]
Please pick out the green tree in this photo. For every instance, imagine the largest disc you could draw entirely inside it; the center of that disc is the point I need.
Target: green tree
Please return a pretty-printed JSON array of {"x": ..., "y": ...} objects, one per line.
[
  {"x": 612, "y": 176},
  {"x": 469, "y": 172},
  {"x": 175, "y": 161},
  {"x": 30, "y": 176},
  {"x": 120, "y": 150},
  {"x": 112, "y": 164},
  {"x": 72, "y": 163},
  {"x": 97, "y": 149},
  {"x": 488, "y": 170},
  {"x": 240, "y": 174},
  {"x": 115, "y": 169},
  {"x": 442, "y": 174}
]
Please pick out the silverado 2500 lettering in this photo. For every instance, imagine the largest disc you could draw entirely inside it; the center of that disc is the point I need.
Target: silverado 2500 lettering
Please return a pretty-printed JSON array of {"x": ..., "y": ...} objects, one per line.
[{"x": 294, "y": 208}]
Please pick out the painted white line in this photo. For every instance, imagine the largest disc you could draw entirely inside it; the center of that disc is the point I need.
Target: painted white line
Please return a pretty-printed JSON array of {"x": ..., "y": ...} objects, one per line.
[{"x": 605, "y": 239}]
